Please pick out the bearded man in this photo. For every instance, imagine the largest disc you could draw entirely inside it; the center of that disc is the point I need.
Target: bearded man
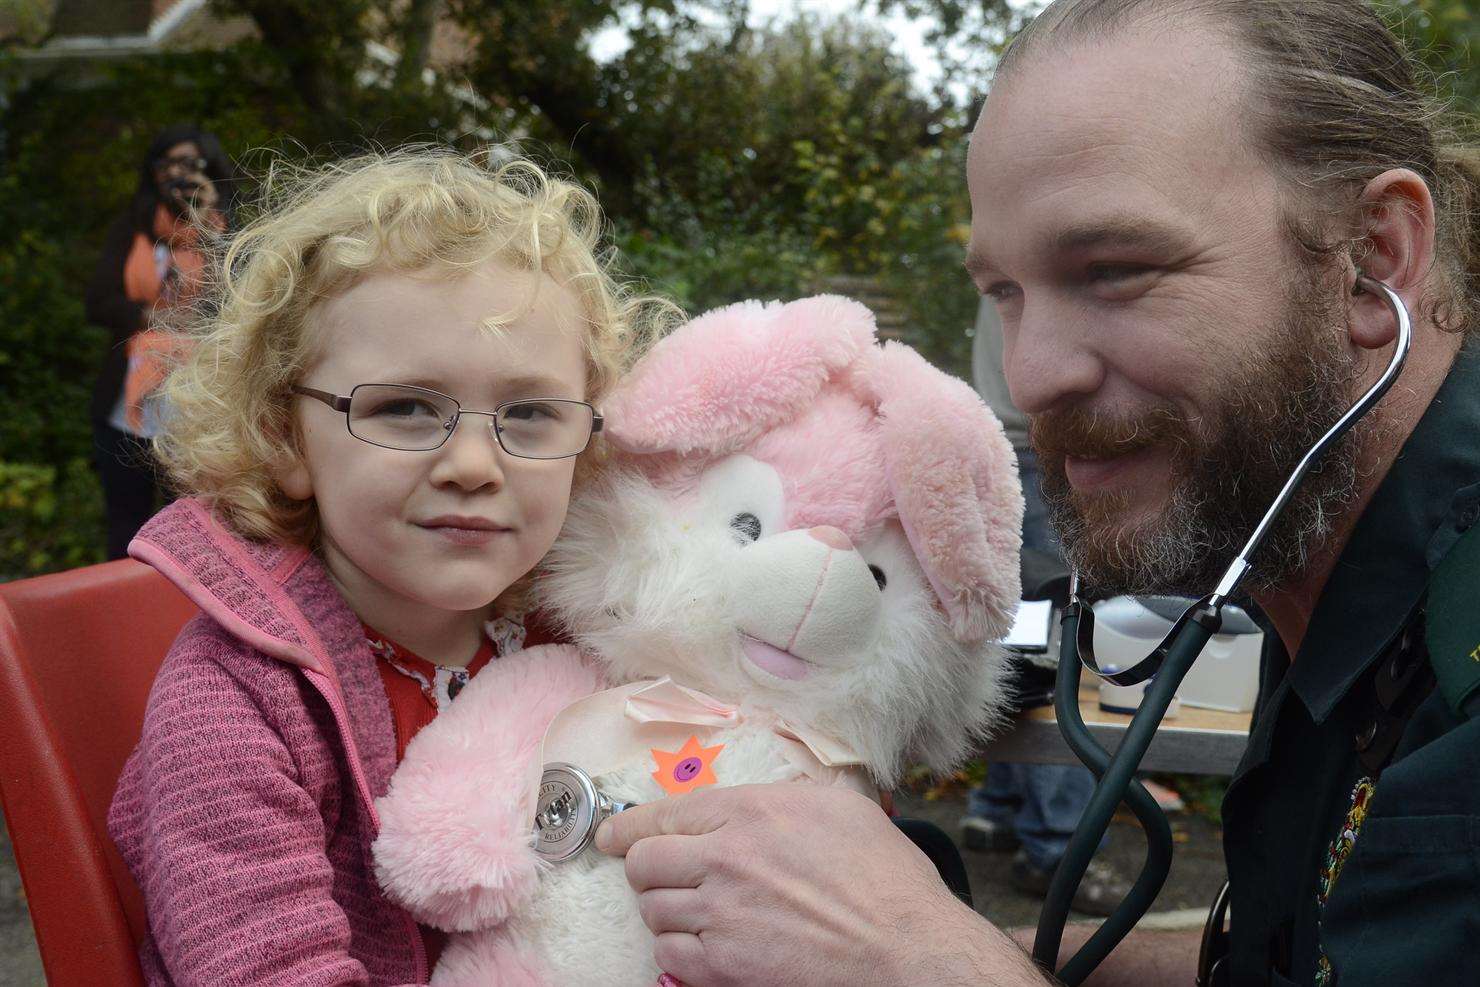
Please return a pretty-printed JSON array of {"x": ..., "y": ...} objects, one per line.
[{"x": 1172, "y": 202}]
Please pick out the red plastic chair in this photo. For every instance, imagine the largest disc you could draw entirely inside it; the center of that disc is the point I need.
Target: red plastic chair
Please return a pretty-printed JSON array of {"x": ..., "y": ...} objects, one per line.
[{"x": 78, "y": 652}]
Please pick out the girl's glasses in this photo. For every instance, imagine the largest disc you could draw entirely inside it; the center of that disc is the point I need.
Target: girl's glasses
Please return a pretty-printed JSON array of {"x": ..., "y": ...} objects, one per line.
[{"x": 415, "y": 419}]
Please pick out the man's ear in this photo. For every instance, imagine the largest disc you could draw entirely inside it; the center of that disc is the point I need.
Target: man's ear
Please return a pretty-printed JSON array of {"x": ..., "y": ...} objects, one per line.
[{"x": 1398, "y": 212}]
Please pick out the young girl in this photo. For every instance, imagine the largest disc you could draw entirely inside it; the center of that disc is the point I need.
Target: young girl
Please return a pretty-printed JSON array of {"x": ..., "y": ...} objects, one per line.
[{"x": 379, "y": 428}]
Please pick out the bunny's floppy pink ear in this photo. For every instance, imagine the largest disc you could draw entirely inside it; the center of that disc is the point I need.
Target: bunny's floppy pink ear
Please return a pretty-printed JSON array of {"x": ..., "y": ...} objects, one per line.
[
  {"x": 721, "y": 380},
  {"x": 955, "y": 483}
]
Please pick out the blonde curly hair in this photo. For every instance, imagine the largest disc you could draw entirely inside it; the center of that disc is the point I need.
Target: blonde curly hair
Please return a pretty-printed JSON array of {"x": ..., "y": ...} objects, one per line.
[{"x": 320, "y": 230}]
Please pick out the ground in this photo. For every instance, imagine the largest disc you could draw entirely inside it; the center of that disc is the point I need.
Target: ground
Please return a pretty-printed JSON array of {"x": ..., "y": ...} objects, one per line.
[
  {"x": 1197, "y": 873},
  {"x": 1197, "y": 866},
  {"x": 20, "y": 964}
]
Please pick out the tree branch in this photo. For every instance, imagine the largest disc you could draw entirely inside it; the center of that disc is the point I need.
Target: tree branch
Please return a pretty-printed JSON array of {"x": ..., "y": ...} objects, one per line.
[
  {"x": 416, "y": 41},
  {"x": 320, "y": 42}
]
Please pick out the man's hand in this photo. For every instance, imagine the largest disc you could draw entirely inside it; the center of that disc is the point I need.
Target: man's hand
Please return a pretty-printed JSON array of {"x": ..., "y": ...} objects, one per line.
[{"x": 799, "y": 884}]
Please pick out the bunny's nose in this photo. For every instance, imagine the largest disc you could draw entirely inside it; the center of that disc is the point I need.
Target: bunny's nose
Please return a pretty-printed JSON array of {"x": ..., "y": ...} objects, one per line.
[{"x": 831, "y": 537}]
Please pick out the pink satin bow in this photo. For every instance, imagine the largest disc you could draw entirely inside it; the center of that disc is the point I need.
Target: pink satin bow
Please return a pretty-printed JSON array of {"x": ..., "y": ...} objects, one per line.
[{"x": 665, "y": 701}]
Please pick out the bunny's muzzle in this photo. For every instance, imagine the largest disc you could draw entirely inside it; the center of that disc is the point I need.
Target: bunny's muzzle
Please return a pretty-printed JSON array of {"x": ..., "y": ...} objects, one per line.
[{"x": 805, "y": 598}]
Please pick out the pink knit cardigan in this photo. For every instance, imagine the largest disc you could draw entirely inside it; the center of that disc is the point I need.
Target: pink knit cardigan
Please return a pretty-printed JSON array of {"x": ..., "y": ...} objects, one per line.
[{"x": 246, "y": 813}]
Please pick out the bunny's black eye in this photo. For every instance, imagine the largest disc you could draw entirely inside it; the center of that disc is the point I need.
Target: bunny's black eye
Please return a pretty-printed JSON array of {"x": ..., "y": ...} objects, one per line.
[
  {"x": 747, "y": 526},
  {"x": 879, "y": 576}
]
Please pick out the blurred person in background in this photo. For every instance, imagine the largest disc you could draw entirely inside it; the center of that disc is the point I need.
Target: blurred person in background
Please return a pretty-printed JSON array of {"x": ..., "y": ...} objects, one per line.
[{"x": 145, "y": 279}]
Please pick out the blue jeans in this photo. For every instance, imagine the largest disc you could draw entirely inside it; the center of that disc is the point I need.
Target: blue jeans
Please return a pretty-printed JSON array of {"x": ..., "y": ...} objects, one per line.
[{"x": 1041, "y": 802}]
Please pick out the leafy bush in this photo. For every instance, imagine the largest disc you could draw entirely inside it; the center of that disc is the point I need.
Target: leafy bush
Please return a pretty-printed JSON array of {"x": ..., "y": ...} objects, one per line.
[
  {"x": 701, "y": 270},
  {"x": 923, "y": 268},
  {"x": 69, "y": 162},
  {"x": 765, "y": 167},
  {"x": 50, "y": 518}
]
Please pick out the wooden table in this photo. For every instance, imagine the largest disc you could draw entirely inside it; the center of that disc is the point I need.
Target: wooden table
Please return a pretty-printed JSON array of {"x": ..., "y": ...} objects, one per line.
[{"x": 1196, "y": 741}]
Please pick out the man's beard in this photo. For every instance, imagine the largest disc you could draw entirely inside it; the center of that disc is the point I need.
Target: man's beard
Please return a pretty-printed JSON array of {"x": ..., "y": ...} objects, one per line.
[{"x": 1226, "y": 469}]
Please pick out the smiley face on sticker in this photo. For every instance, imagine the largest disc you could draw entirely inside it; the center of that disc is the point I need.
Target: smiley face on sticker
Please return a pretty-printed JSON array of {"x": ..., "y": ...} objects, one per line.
[{"x": 687, "y": 768}]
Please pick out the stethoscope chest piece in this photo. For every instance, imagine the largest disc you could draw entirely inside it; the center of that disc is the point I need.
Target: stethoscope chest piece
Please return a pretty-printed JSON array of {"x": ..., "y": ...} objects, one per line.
[{"x": 568, "y": 811}]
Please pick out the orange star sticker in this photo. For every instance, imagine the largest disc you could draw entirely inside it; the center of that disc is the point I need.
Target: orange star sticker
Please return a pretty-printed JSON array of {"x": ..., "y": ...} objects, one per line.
[{"x": 689, "y": 768}]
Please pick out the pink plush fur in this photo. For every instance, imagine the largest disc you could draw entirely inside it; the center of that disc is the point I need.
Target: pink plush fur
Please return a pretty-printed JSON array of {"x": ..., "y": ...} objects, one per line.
[
  {"x": 455, "y": 846},
  {"x": 860, "y": 433},
  {"x": 954, "y": 478},
  {"x": 832, "y": 465},
  {"x": 778, "y": 356}
]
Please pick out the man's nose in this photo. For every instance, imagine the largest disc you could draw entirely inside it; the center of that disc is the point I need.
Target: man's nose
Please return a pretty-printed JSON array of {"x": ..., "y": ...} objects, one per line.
[{"x": 1049, "y": 359}]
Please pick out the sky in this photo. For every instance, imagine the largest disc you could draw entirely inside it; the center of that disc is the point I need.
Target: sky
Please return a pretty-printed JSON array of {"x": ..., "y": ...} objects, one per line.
[{"x": 908, "y": 34}]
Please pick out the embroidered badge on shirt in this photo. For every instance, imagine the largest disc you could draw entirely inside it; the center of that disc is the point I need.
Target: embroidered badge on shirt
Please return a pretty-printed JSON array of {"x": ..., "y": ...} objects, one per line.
[
  {"x": 686, "y": 769},
  {"x": 1336, "y": 857}
]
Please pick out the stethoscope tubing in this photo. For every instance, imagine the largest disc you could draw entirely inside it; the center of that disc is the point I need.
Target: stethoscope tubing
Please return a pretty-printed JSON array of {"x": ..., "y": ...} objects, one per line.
[{"x": 1116, "y": 783}]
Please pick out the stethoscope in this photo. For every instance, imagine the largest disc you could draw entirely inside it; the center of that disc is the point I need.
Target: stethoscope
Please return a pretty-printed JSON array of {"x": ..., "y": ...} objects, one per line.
[{"x": 1169, "y": 664}]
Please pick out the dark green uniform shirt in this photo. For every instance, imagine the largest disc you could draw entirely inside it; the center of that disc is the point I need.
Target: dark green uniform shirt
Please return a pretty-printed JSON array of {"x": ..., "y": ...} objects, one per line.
[{"x": 1335, "y": 878}]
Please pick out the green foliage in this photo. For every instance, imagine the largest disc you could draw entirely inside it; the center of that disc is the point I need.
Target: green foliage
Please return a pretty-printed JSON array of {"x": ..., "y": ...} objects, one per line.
[
  {"x": 735, "y": 161},
  {"x": 1446, "y": 33},
  {"x": 50, "y": 518},
  {"x": 25, "y": 21},
  {"x": 49, "y": 351},
  {"x": 926, "y": 238},
  {"x": 795, "y": 125},
  {"x": 967, "y": 36},
  {"x": 70, "y": 164},
  {"x": 700, "y": 270},
  {"x": 798, "y": 152}
]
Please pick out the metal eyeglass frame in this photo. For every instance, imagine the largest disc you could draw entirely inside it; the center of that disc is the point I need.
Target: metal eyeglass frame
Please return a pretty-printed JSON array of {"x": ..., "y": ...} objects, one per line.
[
  {"x": 1172, "y": 658},
  {"x": 341, "y": 403},
  {"x": 198, "y": 163}
]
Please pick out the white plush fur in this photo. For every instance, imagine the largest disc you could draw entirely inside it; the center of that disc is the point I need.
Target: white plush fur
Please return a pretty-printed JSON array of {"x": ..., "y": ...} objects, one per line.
[{"x": 649, "y": 584}]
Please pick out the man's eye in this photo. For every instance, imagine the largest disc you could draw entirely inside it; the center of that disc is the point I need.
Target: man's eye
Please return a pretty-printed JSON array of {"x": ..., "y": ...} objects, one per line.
[
  {"x": 1120, "y": 282},
  {"x": 1000, "y": 291},
  {"x": 1113, "y": 273}
]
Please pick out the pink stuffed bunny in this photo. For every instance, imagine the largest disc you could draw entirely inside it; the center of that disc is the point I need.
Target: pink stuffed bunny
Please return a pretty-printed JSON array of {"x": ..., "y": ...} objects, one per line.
[{"x": 795, "y": 570}]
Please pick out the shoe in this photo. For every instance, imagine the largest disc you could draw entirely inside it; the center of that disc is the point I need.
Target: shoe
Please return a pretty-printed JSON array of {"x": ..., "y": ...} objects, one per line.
[
  {"x": 980, "y": 833},
  {"x": 1098, "y": 894}
]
